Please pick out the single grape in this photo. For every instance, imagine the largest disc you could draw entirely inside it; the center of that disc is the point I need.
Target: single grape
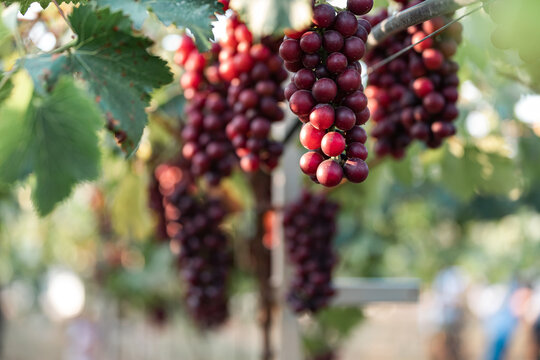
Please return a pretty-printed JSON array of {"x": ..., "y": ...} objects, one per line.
[
  {"x": 322, "y": 116},
  {"x": 329, "y": 173},
  {"x": 346, "y": 23},
  {"x": 360, "y": 7},
  {"x": 311, "y": 137},
  {"x": 333, "y": 143},
  {"x": 309, "y": 162},
  {"x": 324, "y": 15},
  {"x": 301, "y": 102},
  {"x": 324, "y": 90},
  {"x": 356, "y": 170}
]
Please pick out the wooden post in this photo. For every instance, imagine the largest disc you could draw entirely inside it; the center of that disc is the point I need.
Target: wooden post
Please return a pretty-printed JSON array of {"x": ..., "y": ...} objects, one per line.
[{"x": 287, "y": 185}]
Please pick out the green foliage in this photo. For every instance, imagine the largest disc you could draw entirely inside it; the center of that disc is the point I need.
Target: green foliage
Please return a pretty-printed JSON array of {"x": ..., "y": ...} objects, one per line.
[
  {"x": 129, "y": 211},
  {"x": 25, "y": 4},
  {"x": 5, "y": 88},
  {"x": 147, "y": 282},
  {"x": 196, "y": 15},
  {"x": 116, "y": 65},
  {"x": 330, "y": 327},
  {"x": 57, "y": 141}
]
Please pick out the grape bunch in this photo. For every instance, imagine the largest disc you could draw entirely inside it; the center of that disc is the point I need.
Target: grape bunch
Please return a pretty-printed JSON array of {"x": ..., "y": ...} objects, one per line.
[
  {"x": 326, "y": 92},
  {"x": 414, "y": 96},
  {"x": 310, "y": 225},
  {"x": 206, "y": 146},
  {"x": 255, "y": 73},
  {"x": 205, "y": 259},
  {"x": 517, "y": 21}
]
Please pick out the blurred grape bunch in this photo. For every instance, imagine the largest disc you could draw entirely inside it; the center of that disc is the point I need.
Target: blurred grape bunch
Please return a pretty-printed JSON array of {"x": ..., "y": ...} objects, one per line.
[{"x": 193, "y": 223}]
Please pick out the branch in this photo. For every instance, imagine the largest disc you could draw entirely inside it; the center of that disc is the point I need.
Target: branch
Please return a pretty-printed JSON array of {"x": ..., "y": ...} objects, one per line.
[
  {"x": 413, "y": 16},
  {"x": 514, "y": 77},
  {"x": 291, "y": 131}
]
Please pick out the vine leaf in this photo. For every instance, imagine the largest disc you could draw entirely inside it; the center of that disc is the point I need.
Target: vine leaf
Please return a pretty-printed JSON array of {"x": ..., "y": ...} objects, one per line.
[
  {"x": 57, "y": 141},
  {"x": 119, "y": 71},
  {"x": 196, "y": 15},
  {"x": 25, "y": 4},
  {"x": 5, "y": 88}
]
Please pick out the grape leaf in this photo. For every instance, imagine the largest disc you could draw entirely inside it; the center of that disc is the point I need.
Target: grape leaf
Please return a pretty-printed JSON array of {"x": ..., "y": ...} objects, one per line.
[
  {"x": 25, "y": 4},
  {"x": 5, "y": 88},
  {"x": 196, "y": 15},
  {"x": 57, "y": 141},
  {"x": 119, "y": 71}
]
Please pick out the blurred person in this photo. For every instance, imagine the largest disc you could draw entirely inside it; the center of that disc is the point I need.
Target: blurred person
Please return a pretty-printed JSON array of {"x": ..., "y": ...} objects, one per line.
[
  {"x": 502, "y": 325},
  {"x": 449, "y": 314},
  {"x": 82, "y": 340}
]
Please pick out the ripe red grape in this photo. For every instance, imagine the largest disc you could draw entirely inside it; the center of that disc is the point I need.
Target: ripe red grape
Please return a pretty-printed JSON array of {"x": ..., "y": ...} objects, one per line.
[{"x": 329, "y": 173}]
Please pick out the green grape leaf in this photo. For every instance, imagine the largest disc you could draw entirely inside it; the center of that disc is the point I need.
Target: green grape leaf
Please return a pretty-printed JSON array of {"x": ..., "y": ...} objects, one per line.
[
  {"x": 25, "y": 4},
  {"x": 129, "y": 210},
  {"x": 266, "y": 17},
  {"x": 461, "y": 175},
  {"x": 196, "y": 15},
  {"x": 57, "y": 141},
  {"x": 119, "y": 71},
  {"x": 5, "y": 88}
]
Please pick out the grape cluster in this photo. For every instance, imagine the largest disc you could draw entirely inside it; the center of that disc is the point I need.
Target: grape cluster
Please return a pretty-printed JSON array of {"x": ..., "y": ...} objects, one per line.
[
  {"x": 205, "y": 260},
  {"x": 255, "y": 73},
  {"x": 326, "y": 92},
  {"x": 415, "y": 95},
  {"x": 517, "y": 21},
  {"x": 206, "y": 146},
  {"x": 310, "y": 225}
]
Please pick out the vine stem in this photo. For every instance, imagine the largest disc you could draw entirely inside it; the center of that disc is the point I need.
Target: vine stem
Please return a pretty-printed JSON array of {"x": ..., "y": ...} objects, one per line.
[
  {"x": 261, "y": 185},
  {"x": 519, "y": 80},
  {"x": 63, "y": 15},
  {"x": 291, "y": 131},
  {"x": 413, "y": 16}
]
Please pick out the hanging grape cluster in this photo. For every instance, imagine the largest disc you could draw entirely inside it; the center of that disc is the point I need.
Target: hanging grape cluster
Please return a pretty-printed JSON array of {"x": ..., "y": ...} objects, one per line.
[
  {"x": 205, "y": 259},
  {"x": 326, "y": 92},
  {"x": 310, "y": 225},
  {"x": 206, "y": 147},
  {"x": 255, "y": 73},
  {"x": 517, "y": 21},
  {"x": 415, "y": 95}
]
